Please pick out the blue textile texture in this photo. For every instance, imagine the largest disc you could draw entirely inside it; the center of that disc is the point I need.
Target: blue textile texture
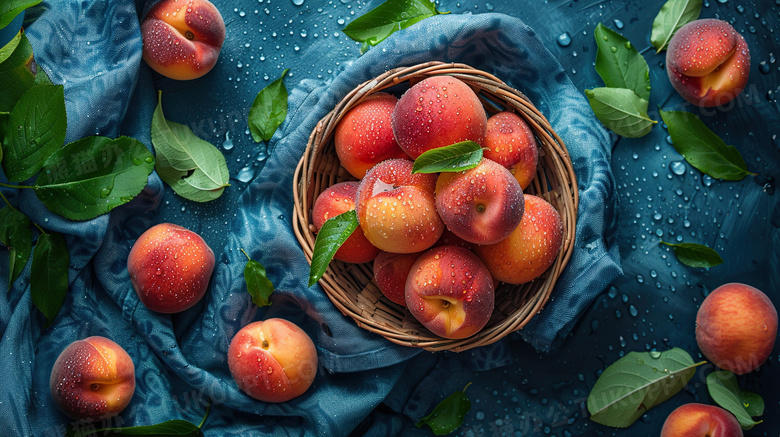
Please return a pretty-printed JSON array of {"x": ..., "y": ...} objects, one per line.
[{"x": 94, "y": 50}]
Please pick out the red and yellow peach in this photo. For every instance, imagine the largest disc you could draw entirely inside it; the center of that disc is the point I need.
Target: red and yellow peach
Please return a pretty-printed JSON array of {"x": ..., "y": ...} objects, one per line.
[
  {"x": 700, "y": 420},
  {"x": 170, "y": 268},
  {"x": 390, "y": 273},
  {"x": 510, "y": 142}
]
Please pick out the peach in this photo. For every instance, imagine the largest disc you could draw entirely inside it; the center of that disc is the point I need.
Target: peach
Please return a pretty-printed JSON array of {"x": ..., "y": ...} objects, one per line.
[
  {"x": 708, "y": 62},
  {"x": 92, "y": 379},
  {"x": 700, "y": 420},
  {"x": 390, "y": 273},
  {"x": 272, "y": 360},
  {"x": 436, "y": 112},
  {"x": 338, "y": 199},
  {"x": 510, "y": 142},
  {"x": 364, "y": 137},
  {"x": 396, "y": 208},
  {"x": 736, "y": 327},
  {"x": 170, "y": 268},
  {"x": 450, "y": 291},
  {"x": 530, "y": 249},
  {"x": 182, "y": 38},
  {"x": 482, "y": 205}
]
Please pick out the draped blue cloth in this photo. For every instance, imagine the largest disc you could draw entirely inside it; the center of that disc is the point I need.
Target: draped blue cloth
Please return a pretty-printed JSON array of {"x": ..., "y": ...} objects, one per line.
[{"x": 365, "y": 384}]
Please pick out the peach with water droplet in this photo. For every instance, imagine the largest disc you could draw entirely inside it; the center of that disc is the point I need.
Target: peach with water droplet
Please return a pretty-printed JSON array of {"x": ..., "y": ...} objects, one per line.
[
  {"x": 436, "y": 112},
  {"x": 170, "y": 267},
  {"x": 390, "y": 273},
  {"x": 708, "y": 62},
  {"x": 510, "y": 142},
  {"x": 335, "y": 200},
  {"x": 450, "y": 291},
  {"x": 182, "y": 38},
  {"x": 530, "y": 249},
  {"x": 364, "y": 136},
  {"x": 482, "y": 205},
  {"x": 92, "y": 379},
  {"x": 397, "y": 209},
  {"x": 272, "y": 360}
]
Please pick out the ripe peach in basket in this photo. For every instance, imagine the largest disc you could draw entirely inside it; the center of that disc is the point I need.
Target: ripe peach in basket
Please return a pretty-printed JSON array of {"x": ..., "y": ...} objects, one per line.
[
  {"x": 436, "y": 112},
  {"x": 450, "y": 291},
  {"x": 482, "y": 205},
  {"x": 530, "y": 249},
  {"x": 390, "y": 273},
  {"x": 396, "y": 208},
  {"x": 338, "y": 199},
  {"x": 510, "y": 142},
  {"x": 364, "y": 137}
]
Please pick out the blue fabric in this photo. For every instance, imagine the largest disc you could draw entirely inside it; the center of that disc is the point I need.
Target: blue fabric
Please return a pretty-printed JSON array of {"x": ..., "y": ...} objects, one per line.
[{"x": 365, "y": 384}]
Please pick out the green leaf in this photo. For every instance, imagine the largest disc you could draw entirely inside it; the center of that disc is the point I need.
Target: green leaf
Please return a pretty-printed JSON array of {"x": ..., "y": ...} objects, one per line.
[
  {"x": 332, "y": 235},
  {"x": 621, "y": 110},
  {"x": 391, "y": 16},
  {"x": 49, "y": 274},
  {"x": 638, "y": 382},
  {"x": 16, "y": 234},
  {"x": 35, "y": 130},
  {"x": 93, "y": 175},
  {"x": 702, "y": 148},
  {"x": 449, "y": 414},
  {"x": 17, "y": 74},
  {"x": 619, "y": 64},
  {"x": 257, "y": 283},
  {"x": 269, "y": 110},
  {"x": 455, "y": 157},
  {"x": 695, "y": 255},
  {"x": 9, "y": 9},
  {"x": 744, "y": 405},
  {"x": 673, "y": 15},
  {"x": 195, "y": 169},
  {"x": 171, "y": 428},
  {"x": 10, "y": 47}
]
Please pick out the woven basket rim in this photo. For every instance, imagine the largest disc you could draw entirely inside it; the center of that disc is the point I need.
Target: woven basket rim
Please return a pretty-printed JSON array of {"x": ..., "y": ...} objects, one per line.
[{"x": 350, "y": 287}]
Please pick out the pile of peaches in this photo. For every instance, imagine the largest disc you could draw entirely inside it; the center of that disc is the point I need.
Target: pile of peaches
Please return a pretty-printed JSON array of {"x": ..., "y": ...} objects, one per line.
[{"x": 440, "y": 242}]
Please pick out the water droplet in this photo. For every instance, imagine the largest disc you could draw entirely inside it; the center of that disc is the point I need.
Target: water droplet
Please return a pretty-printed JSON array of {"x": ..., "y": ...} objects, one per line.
[
  {"x": 149, "y": 159},
  {"x": 677, "y": 167},
  {"x": 706, "y": 180},
  {"x": 489, "y": 6},
  {"x": 564, "y": 39},
  {"x": 228, "y": 143},
  {"x": 136, "y": 161},
  {"x": 640, "y": 361},
  {"x": 105, "y": 192},
  {"x": 655, "y": 354},
  {"x": 297, "y": 2},
  {"x": 613, "y": 49},
  {"x": 764, "y": 67},
  {"x": 246, "y": 174},
  {"x": 633, "y": 311}
]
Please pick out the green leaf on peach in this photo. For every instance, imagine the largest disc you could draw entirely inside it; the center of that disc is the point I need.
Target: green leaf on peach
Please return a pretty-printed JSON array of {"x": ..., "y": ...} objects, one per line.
[
  {"x": 621, "y": 110},
  {"x": 389, "y": 17},
  {"x": 744, "y": 405},
  {"x": 702, "y": 148},
  {"x": 639, "y": 381},
  {"x": 49, "y": 274},
  {"x": 16, "y": 235},
  {"x": 448, "y": 415},
  {"x": 453, "y": 158},
  {"x": 269, "y": 110},
  {"x": 673, "y": 15},
  {"x": 695, "y": 255},
  {"x": 37, "y": 125},
  {"x": 257, "y": 283},
  {"x": 332, "y": 235},
  {"x": 194, "y": 168},
  {"x": 9, "y": 9},
  {"x": 91, "y": 176},
  {"x": 619, "y": 64}
]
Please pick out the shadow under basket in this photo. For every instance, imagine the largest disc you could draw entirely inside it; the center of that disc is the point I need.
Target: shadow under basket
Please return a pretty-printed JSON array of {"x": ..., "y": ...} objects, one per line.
[{"x": 350, "y": 286}]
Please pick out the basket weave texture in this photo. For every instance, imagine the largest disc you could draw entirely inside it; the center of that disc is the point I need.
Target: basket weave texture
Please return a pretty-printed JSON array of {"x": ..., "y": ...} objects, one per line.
[{"x": 350, "y": 286}]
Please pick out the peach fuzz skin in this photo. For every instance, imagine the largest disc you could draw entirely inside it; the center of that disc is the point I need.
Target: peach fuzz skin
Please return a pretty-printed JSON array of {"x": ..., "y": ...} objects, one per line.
[
  {"x": 396, "y": 208},
  {"x": 92, "y": 378},
  {"x": 272, "y": 360},
  {"x": 450, "y": 291},
  {"x": 338, "y": 199},
  {"x": 708, "y": 62},
  {"x": 436, "y": 112},
  {"x": 530, "y": 249},
  {"x": 182, "y": 38},
  {"x": 364, "y": 137},
  {"x": 170, "y": 268},
  {"x": 510, "y": 142},
  {"x": 390, "y": 273},
  {"x": 700, "y": 420},
  {"x": 736, "y": 327},
  {"x": 482, "y": 205}
]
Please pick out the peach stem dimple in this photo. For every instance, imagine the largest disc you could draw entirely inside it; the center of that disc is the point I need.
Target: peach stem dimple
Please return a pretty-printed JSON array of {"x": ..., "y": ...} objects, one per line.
[{"x": 189, "y": 35}]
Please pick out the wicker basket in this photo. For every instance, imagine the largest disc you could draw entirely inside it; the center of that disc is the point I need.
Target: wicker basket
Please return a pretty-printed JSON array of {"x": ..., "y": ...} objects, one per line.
[{"x": 350, "y": 286}]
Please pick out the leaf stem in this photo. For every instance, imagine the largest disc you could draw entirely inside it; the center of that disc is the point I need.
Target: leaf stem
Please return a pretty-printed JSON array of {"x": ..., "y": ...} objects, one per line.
[
  {"x": 246, "y": 254},
  {"x": 31, "y": 187},
  {"x": 205, "y": 416},
  {"x": 467, "y": 386},
  {"x": 12, "y": 207}
]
